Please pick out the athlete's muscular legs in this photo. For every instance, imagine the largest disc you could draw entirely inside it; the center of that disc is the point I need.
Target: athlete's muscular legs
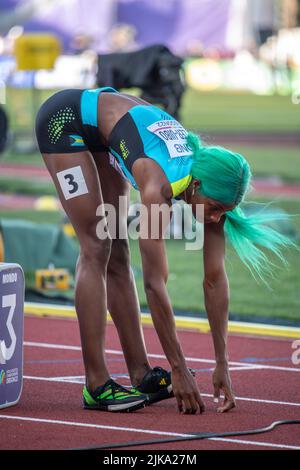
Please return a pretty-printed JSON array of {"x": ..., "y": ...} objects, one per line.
[
  {"x": 90, "y": 290},
  {"x": 123, "y": 302}
]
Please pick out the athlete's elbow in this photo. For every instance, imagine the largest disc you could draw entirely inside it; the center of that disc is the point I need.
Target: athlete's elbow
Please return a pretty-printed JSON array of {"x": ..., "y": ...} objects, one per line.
[
  {"x": 153, "y": 286},
  {"x": 215, "y": 280}
]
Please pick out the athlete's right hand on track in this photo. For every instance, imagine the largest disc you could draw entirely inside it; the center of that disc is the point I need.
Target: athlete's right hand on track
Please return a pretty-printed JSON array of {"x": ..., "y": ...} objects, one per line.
[
  {"x": 222, "y": 382},
  {"x": 186, "y": 392}
]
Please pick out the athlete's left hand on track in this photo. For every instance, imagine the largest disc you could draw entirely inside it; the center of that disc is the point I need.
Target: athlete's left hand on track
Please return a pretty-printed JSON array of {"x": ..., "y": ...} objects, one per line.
[{"x": 222, "y": 381}]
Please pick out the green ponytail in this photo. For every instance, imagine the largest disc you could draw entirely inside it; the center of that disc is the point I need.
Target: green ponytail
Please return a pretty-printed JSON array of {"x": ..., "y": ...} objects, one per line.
[
  {"x": 225, "y": 177},
  {"x": 245, "y": 232}
]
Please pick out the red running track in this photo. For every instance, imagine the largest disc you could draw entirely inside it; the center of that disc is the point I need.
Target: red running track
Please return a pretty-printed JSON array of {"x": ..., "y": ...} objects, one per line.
[{"x": 49, "y": 414}]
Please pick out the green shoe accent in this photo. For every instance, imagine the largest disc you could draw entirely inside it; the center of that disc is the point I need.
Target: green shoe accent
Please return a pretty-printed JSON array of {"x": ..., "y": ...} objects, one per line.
[
  {"x": 136, "y": 392},
  {"x": 113, "y": 397},
  {"x": 87, "y": 397}
]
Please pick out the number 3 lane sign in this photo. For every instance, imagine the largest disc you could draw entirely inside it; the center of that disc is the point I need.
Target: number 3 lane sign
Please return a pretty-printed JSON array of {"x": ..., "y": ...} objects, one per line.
[{"x": 11, "y": 333}]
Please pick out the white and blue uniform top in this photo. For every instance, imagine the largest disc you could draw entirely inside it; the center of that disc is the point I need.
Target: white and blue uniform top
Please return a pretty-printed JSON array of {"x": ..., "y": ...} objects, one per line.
[{"x": 145, "y": 132}]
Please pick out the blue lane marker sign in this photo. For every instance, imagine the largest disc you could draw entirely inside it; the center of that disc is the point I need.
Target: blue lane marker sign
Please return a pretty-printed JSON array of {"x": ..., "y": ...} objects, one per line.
[{"x": 12, "y": 288}]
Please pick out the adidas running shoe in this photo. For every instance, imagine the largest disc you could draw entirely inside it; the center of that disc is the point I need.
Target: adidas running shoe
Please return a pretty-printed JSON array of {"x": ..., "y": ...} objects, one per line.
[
  {"x": 113, "y": 397},
  {"x": 156, "y": 384}
]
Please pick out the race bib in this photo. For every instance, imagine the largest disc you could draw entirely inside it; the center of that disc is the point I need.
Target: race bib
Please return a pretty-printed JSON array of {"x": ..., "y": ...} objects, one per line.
[
  {"x": 173, "y": 135},
  {"x": 72, "y": 182}
]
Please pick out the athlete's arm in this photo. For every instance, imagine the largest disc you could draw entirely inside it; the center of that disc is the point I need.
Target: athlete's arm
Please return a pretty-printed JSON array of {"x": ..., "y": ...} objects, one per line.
[
  {"x": 216, "y": 295},
  {"x": 155, "y": 270}
]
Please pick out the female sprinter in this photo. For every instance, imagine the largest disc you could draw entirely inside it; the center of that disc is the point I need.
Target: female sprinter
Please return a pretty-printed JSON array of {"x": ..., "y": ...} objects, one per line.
[{"x": 87, "y": 138}]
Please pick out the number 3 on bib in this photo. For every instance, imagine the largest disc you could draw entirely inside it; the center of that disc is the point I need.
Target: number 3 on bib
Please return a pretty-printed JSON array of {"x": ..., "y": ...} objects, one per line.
[{"x": 72, "y": 182}]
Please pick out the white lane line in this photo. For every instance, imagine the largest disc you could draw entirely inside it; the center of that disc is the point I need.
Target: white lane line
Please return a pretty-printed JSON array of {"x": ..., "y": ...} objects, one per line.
[
  {"x": 142, "y": 431},
  {"x": 161, "y": 356},
  {"x": 52, "y": 379},
  {"x": 253, "y": 367},
  {"x": 52, "y": 346},
  {"x": 259, "y": 400},
  {"x": 95, "y": 426},
  {"x": 80, "y": 380}
]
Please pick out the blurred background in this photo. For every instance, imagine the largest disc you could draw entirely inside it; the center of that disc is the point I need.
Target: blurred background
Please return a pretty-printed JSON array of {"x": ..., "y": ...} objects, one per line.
[{"x": 228, "y": 69}]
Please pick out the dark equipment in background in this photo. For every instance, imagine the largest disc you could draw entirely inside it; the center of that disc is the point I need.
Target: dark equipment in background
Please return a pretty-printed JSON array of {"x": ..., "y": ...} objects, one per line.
[
  {"x": 3, "y": 129},
  {"x": 154, "y": 69}
]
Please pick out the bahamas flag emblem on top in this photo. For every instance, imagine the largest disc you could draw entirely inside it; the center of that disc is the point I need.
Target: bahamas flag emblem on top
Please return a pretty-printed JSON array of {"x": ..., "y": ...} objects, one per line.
[{"x": 76, "y": 140}]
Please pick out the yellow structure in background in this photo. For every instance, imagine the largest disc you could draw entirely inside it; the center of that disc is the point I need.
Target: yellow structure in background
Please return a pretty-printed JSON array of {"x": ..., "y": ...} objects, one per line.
[
  {"x": 47, "y": 203},
  {"x": 69, "y": 230},
  {"x": 1, "y": 249},
  {"x": 52, "y": 279},
  {"x": 37, "y": 51}
]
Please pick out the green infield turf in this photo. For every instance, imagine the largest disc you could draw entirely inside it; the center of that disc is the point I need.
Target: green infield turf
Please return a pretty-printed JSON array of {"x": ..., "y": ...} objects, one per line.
[
  {"x": 248, "y": 298},
  {"x": 214, "y": 111},
  {"x": 239, "y": 112},
  {"x": 27, "y": 186},
  {"x": 270, "y": 161}
]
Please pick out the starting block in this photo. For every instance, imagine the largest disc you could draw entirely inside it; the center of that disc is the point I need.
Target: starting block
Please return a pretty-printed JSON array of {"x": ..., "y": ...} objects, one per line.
[{"x": 12, "y": 287}]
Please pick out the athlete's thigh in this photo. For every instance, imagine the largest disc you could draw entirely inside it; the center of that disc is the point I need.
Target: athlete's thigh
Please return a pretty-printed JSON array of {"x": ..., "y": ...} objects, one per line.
[
  {"x": 115, "y": 189},
  {"x": 77, "y": 182}
]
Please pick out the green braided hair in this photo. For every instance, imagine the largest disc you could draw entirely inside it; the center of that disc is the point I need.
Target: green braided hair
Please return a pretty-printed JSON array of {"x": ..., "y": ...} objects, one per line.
[{"x": 225, "y": 177}]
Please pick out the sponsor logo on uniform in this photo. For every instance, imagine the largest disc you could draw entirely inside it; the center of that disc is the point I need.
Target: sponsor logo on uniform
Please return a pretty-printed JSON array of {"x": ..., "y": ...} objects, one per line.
[
  {"x": 124, "y": 149},
  {"x": 57, "y": 123}
]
